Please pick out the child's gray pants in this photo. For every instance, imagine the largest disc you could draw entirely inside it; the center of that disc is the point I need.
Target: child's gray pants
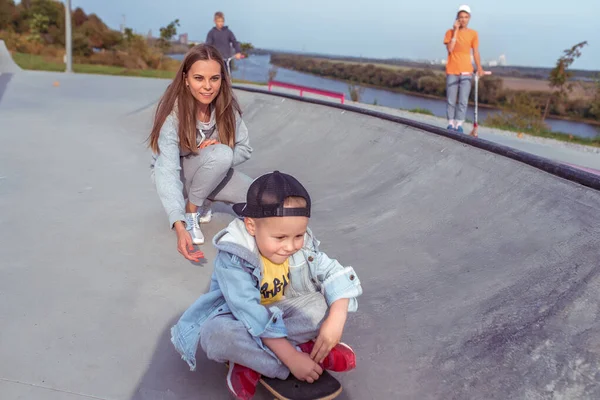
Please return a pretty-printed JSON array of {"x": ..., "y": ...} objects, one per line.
[{"x": 224, "y": 338}]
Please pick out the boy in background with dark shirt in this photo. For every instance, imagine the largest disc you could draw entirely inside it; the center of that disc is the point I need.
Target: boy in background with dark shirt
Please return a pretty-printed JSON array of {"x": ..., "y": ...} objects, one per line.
[{"x": 222, "y": 38}]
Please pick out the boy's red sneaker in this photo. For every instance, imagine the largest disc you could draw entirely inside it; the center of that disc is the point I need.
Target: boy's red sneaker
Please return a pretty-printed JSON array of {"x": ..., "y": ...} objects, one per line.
[
  {"x": 340, "y": 359},
  {"x": 242, "y": 381}
]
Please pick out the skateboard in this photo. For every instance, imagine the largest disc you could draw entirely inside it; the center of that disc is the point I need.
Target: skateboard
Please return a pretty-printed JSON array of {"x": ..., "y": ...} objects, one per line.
[{"x": 327, "y": 387}]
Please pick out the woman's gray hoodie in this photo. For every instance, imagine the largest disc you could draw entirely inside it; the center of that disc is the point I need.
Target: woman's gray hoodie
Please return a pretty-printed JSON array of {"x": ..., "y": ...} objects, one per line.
[{"x": 166, "y": 166}]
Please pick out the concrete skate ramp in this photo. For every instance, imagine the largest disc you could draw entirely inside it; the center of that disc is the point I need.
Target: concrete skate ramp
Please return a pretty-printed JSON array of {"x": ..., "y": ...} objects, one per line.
[
  {"x": 480, "y": 272},
  {"x": 7, "y": 65}
]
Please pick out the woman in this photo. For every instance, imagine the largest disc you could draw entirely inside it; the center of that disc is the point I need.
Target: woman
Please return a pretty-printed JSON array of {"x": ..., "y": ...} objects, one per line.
[
  {"x": 197, "y": 138},
  {"x": 459, "y": 42}
]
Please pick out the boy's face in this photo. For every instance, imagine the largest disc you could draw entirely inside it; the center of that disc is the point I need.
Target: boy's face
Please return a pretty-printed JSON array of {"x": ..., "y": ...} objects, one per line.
[
  {"x": 219, "y": 22},
  {"x": 277, "y": 238},
  {"x": 463, "y": 18}
]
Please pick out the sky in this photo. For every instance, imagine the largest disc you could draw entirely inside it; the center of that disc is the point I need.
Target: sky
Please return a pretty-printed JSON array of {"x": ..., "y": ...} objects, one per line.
[{"x": 527, "y": 32}]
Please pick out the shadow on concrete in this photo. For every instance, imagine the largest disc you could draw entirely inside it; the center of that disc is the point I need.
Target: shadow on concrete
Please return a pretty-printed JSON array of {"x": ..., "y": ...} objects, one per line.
[{"x": 168, "y": 377}]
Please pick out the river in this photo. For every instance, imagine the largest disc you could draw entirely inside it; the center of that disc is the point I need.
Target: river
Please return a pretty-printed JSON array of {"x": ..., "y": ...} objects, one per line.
[{"x": 256, "y": 68}]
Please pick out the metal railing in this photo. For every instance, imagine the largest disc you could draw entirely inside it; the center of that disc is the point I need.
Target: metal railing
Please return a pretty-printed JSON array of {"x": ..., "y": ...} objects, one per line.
[{"x": 306, "y": 89}]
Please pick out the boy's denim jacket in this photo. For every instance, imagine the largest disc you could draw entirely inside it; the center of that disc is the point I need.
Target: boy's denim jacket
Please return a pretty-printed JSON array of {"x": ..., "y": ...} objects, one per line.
[{"x": 235, "y": 283}]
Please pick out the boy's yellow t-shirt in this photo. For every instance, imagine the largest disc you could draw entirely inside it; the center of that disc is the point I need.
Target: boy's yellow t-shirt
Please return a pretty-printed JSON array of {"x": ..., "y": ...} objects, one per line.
[{"x": 275, "y": 278}]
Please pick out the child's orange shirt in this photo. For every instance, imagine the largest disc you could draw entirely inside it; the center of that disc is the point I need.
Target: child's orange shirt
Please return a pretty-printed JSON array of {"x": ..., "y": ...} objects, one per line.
[{"x": 460, "y": 58}]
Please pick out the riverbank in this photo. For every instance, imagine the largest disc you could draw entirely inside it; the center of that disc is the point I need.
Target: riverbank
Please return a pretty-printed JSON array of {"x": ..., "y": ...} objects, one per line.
[
  {"x": 546, "y": 134},
  {"x": 434, "y": 97},
  {"x": 581, "y": 89},
  {"x": 427, "y": 83}
]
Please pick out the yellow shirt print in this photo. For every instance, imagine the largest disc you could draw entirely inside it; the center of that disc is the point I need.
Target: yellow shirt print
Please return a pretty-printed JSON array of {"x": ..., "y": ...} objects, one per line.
[{"x": 275, "y": 278}]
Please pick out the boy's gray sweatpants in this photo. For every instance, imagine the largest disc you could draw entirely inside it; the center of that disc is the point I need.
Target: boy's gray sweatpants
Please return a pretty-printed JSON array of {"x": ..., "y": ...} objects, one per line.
[
  {"x": 458, "y": 88},
  {"x": 224, "y": 338},
  {"x": 201, "y": 173}
]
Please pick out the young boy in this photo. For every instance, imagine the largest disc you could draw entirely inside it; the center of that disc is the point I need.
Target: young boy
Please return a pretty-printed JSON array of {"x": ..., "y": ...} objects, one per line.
[
  {"x": 222, "y": 38},
  {"x": 459, "y": 42},
  {"x": 276, "y": 304}
]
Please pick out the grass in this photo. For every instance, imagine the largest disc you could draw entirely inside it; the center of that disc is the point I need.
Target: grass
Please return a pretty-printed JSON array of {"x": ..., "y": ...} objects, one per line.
[
  {"x": 561, "y": 136},
  {"x": 40, "y": 63},
  {"x": 422, "y": 111}
]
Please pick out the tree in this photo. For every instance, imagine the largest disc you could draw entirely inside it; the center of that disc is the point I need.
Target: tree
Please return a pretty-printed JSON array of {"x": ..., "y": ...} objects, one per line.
[
  {"x": 128, "y": 35},
  {"x": 246, "y": 48},
  {"x": 38, "y": 26},
  {"x": 7, "y": 12},
  {"x": 166, "y": 35},
  {"x": 98, "y": 34},
  {"x": 81, "y": 45},
  {"x": 79, "y": 17},
  {"x": 595, "y": 108},
  {"x": 52, "y": 10},
  {"x": 560, "y": 75},
  {"x": 490, "y": 90},
  {"x": 20, "y": 18}
]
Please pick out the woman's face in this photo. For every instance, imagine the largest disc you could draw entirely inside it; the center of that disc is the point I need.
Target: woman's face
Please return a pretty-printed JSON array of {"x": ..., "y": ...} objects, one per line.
[
  {"x": 463, "y": 18},
  {"x": 204, "y": 80}
]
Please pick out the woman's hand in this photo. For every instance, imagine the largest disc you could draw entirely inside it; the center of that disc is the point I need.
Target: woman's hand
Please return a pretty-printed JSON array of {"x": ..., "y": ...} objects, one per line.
[
  {"x": 207, "y": 143},
  {"x": 456, "y": 25},
  {"x": 184, "y": 243}
]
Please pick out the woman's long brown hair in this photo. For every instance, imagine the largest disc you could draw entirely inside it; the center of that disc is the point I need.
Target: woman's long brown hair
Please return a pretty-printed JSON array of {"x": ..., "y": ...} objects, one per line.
[{"x": 178, "y": 97}]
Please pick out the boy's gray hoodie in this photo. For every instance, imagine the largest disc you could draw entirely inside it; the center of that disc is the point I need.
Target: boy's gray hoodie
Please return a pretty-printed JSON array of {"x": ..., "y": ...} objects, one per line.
[{"x": 223, "y": 39}]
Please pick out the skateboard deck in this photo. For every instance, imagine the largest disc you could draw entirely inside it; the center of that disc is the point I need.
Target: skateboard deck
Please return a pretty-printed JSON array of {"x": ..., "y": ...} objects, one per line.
[
  {"x": 324, "y": 388},
  {"x": 327, "y": 387}
]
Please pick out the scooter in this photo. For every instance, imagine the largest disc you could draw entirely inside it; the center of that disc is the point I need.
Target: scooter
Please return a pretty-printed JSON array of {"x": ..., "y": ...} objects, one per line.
[{"x": 475, "y": 125}]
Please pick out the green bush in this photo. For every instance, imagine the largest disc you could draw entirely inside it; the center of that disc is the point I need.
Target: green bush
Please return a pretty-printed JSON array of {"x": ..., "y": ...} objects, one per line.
[{"x": 524, "y": 115}]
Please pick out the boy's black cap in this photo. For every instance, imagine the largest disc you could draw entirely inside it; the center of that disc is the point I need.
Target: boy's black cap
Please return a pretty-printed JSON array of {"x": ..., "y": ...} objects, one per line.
[{"x": 267, "y": 193}]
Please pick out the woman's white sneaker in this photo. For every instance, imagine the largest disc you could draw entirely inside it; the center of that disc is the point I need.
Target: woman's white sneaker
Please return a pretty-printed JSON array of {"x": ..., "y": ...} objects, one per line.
[
  {"x": 205, "y": 214},
  {"x": 193, "y": 226}
]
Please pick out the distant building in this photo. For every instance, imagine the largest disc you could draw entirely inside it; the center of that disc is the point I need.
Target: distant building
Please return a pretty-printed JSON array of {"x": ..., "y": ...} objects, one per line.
[
  {"x": 502, "y": 60},
  {"x": 183, "y": 38},
  {"x": 149, "y": 34},
  {"x": 492, "y": 63}
]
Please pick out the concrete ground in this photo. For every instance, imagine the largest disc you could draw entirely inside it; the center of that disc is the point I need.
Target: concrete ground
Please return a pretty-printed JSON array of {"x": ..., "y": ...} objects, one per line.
[
  {"x": 480, "y": 273},
  {"x": 584, "y": 157}
]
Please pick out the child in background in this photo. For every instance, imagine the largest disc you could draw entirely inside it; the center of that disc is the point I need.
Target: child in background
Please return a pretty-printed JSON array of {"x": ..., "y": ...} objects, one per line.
[{"x": 222, "y": 38}]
